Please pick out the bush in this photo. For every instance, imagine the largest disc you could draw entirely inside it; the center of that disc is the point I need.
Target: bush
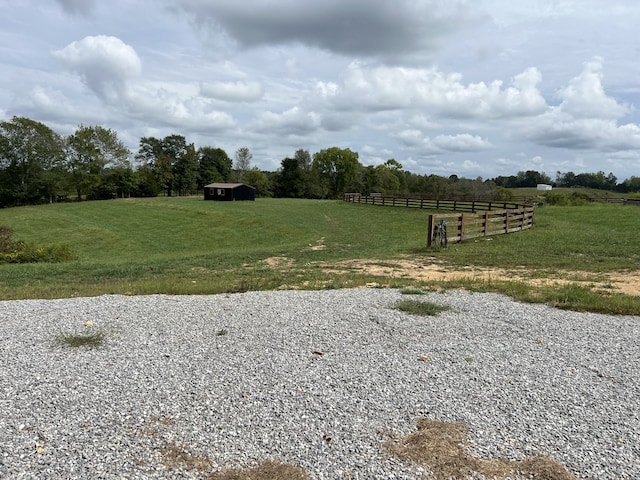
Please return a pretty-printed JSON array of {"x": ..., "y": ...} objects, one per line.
[
  {"x": 556, "y": 198},
  {"x": 504, "y": 194},
  {"x": 579, "y": 198},
  {"x": 6, "y": 242},
  {"x": 15, "y": 251}
]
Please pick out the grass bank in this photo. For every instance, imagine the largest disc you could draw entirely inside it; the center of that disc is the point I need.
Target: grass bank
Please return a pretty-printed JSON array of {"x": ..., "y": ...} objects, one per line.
[{"x": 189, "y": 246}]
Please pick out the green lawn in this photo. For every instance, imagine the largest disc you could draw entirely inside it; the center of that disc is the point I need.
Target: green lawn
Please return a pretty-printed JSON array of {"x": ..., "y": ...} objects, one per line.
[{"x": 189, "y": 246}]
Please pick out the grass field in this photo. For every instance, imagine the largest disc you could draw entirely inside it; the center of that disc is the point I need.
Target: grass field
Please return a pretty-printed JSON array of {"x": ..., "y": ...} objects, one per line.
[{"x": 189, "y": 246}]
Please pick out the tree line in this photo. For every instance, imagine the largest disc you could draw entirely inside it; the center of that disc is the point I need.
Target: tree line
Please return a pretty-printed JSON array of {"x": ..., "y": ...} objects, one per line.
[
  {"x": 37, "y": 165},
  {"x": 597, "y": 180}
]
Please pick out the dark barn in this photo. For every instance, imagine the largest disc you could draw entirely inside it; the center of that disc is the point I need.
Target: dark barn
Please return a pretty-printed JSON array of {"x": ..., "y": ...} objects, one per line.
[{"x": 229, "y": 191}]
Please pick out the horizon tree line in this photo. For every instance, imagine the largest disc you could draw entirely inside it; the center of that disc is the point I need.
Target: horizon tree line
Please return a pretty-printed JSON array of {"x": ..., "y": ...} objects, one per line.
[{"x": 37, "y": 165}]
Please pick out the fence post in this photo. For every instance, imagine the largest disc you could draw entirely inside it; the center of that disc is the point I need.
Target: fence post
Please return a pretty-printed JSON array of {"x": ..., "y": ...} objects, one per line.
[
  {"x": 429, "y": 230},
  {"x": 485, "y": 223}
]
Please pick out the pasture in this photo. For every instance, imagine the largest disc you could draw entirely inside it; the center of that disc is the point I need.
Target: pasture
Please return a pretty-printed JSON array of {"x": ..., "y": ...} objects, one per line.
[{"x": 574, "y": 257}]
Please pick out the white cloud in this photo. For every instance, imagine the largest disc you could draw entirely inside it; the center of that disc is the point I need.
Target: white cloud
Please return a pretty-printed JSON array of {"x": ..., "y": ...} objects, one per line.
[
  {"x": 112, "y": 70},
  {"x": 586, "y": 118},
  {"x": 443, "y": 143},
  {"x": 241, "y": 91},
  {"x": 387, "y": 88},
  {"x": 585, "y": 97},
  {"x": 461, "y": 143},
  {"x": 104, "y": 63},
  {"x": 169, "y": 107},
  {"x": 293, "y": 121}
]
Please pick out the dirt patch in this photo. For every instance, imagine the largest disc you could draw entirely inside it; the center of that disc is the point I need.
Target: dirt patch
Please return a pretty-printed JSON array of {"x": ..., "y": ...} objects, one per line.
[
  {"x": 431, "y": 270},
  {"x": 319, "y": 245},
  {"x": 277, "y": 263},
  {"x": 442, "y": 448}
]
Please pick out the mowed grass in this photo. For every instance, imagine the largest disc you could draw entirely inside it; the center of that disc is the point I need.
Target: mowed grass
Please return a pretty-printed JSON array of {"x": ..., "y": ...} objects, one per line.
[
  {"x": 596, "y": 237},
  {"x": 189, "y": 246}
]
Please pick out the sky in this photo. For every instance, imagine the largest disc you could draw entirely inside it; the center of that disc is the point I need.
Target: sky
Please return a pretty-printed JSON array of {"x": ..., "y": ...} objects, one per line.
[{"x": 475, "y": 88}]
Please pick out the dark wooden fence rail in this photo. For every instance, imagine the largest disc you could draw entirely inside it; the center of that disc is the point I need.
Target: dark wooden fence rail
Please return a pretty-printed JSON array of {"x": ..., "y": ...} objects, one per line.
[
  {"x": 471, "y": 205},
  {"x": 496, "y": 217},
  {"x": 472, "y": 225}
]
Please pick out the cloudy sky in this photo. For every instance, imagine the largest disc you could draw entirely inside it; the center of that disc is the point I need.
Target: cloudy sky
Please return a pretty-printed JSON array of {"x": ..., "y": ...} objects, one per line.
[{"x": 466, "y": 87}]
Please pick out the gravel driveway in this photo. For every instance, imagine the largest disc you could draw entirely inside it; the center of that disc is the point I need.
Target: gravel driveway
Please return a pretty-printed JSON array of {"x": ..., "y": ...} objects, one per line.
[{"x": 184, "y": 386}]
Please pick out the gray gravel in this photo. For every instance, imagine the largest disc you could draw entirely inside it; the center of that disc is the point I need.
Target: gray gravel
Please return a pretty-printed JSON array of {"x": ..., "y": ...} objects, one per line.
[{"x": 317, "y": 379}]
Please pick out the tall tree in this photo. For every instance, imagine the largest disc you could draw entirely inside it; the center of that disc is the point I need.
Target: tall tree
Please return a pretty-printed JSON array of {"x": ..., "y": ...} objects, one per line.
[
  {"x": 243, "y": 162},
  {"x": 290, "y": 181},
  {"x": 214, "y": 166},
  {"x": 31, "y": 157},
  {"x": 89, "y": 151},
  {"x": 259, "y": 180},
  {"x": 186, "y": 171},
  {"x": 175, "y": 164},
  {"x": 337, "y": 169}
]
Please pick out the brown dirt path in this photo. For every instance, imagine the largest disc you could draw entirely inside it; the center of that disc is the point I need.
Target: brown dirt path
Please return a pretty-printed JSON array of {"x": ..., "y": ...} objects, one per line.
[{"x": 430, "y": 269}]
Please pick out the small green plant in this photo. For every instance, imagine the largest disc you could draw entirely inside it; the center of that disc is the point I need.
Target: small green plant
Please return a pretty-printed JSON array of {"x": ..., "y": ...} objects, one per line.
[
  {"x": 222, "y": 332},
  {"x": 416, "y": 307},
  {"x": 74, "y": 340},
  {"x": 468, "y": 359},
  {"x": 411, "y": 291}
]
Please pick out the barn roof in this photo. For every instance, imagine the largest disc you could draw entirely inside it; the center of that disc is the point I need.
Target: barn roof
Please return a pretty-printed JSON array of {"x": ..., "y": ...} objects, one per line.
[{"x": 227, "y": 185}]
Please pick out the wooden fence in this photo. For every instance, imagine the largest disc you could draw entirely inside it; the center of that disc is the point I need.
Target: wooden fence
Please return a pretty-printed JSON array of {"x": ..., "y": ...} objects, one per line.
[
  {"x": 472, "y": 225},
  {"x": 471, "y": 205}
]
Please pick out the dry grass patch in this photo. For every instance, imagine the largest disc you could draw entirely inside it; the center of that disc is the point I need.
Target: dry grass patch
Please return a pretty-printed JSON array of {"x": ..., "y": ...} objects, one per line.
[
  {"x": 442, "y": 448},
  {"x": 174, "y": 457},
  {"x": 267, "y": 470},
  {"x": 180, "y": 457}
]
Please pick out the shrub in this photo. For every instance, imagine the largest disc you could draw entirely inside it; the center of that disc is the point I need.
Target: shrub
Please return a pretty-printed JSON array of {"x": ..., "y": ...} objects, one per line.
[
  {"x": 15, "y": 251},
  {"x": 556, "y": 198},
  {"x": 579, "y": 198},
  {"x": 504, "y": 194},
  {"x": 6, "y": 242}
]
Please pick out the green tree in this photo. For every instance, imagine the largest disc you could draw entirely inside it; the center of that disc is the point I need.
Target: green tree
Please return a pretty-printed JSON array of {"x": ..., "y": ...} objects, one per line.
[
  {"x": 337, "y": 169},
  {"x": 290, "y": 181},
  {"x": 175, "y": 164},
  {"x": 259, "y": 180},
  {"x": 89, "y": 151},
  {"x": 31, "y": 156},
  {"x": 146, "y": 182},
  {"x": 631, "y": 184},
  {"x": 186, "y": 171},
  {"x": 214, "y": 166},
  {"x": 367, "y": 181},
  {"x": 243, "y": 162}
]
